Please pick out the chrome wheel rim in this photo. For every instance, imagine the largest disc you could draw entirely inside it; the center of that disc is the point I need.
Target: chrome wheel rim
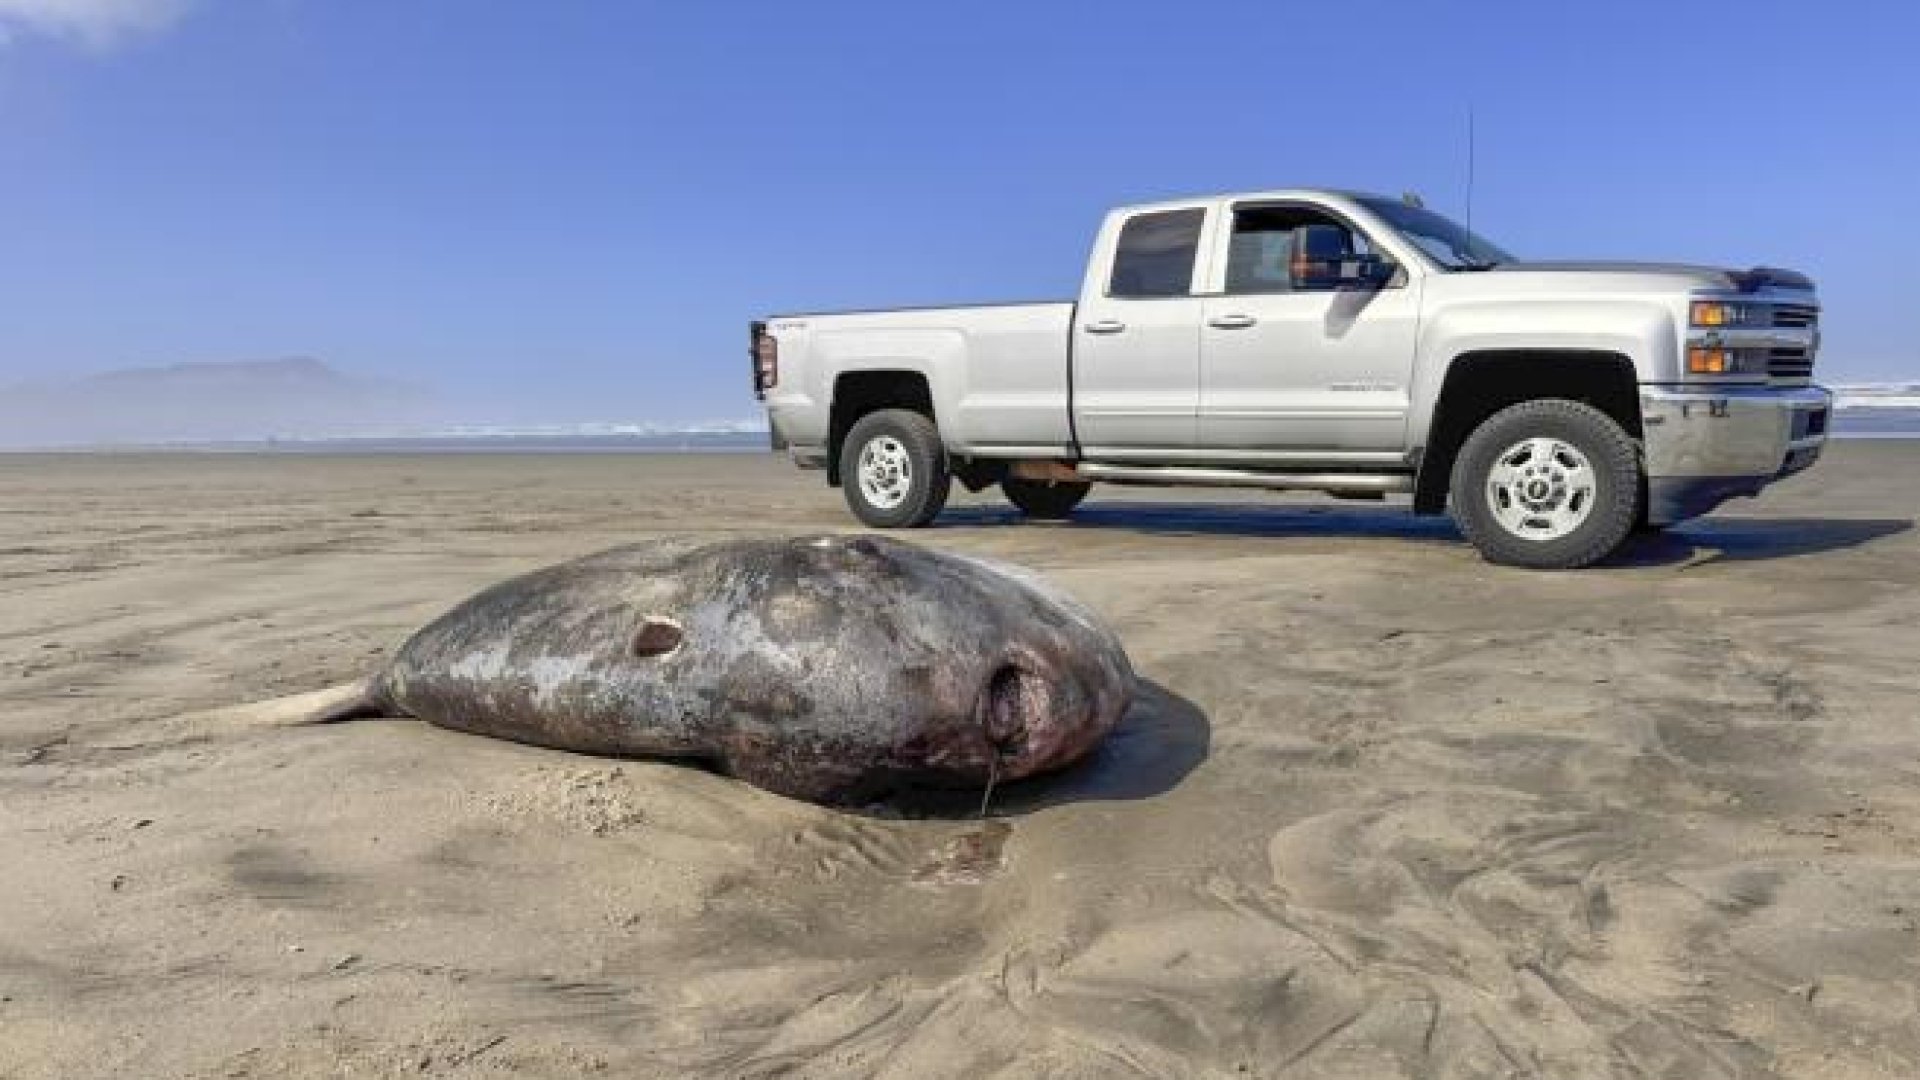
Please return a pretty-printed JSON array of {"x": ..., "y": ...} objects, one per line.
[
  {"x": 1541, "y": 488},
  {"x": 886, "y": 472}
]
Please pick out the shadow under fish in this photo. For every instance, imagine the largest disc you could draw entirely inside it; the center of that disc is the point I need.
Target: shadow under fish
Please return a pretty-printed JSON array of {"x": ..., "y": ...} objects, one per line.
[{"x": 831, "y": 668}]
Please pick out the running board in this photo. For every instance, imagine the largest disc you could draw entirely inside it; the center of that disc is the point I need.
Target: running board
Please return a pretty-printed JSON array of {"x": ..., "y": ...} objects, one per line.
[{"x": 1370, "y": 483}]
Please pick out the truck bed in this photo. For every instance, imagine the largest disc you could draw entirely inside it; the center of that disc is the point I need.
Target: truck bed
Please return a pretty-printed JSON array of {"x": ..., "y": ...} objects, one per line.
[{"x": 999, "y": 372}]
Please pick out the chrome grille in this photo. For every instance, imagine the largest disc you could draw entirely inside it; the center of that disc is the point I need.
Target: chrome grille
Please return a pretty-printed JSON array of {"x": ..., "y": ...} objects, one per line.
[
  {"x": 1795, "y": 315},
  {"x": 1789, "y": 362},
  {"x": 1792, "y": 363}
]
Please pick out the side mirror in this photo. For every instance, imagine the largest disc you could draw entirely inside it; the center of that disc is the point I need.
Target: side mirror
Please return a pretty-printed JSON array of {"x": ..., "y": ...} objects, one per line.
[{"x": 1323, "y": 258}]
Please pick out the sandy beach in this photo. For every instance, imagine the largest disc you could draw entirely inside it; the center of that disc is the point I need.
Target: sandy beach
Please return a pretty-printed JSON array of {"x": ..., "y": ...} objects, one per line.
[{"x": 1382, "y": 810}]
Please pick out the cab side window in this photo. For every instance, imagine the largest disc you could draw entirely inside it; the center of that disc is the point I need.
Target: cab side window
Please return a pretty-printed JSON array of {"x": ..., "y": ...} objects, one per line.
[
  {"x": 1155, "y": 254},
  {"x": 1261, "y": 250}
]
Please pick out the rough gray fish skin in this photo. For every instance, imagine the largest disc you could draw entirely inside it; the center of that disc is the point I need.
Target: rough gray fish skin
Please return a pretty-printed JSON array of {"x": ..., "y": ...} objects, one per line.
[{"x": 829, "y": 668}]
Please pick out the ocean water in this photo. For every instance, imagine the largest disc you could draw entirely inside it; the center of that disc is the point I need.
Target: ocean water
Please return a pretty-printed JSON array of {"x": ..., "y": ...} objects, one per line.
[
  {"x": 1873, "y": 422},
  {"x": 1877, "y": 423}
]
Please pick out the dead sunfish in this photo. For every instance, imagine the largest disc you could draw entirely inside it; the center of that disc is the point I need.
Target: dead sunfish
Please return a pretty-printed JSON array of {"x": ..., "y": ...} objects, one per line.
[{"x": 830, "y": 668}]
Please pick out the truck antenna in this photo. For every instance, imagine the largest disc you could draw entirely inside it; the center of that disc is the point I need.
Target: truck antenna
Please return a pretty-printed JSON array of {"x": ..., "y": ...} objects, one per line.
[{"x": 1469, "y": 167}]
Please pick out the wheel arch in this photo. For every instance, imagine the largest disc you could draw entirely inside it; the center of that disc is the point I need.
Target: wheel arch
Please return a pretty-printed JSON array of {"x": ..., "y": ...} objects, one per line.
[
  {"x": 1482, "y": 382},
  {"x": 858, "y": 393}
]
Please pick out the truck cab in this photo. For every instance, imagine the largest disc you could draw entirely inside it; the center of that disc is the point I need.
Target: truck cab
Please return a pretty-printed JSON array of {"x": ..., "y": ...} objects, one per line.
[{"x": 1334, "y": 341}]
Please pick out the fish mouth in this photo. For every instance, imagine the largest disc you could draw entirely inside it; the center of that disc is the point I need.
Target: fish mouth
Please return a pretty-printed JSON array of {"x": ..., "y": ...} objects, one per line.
[
  {"x": 1031, "y": 718},
  {"x": 1014, "y": 698}
]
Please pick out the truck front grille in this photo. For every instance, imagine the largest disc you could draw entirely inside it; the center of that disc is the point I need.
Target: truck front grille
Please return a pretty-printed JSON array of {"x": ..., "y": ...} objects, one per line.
[
  {"x": 1795, "y": 315},
  {"x": 1789, "y": 364},
  {"x": 1792, "y": 364}
]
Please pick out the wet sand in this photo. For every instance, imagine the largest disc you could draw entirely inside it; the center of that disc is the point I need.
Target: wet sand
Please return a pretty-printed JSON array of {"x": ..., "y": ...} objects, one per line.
[{"x": 1383, "y": 810}]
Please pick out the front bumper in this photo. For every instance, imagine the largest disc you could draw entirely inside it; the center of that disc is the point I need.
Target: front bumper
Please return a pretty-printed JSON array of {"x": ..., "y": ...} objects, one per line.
[{"x": 1705, "y": 446}]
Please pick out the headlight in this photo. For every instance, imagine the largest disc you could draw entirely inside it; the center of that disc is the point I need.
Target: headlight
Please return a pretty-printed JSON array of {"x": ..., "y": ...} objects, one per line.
[
  {"x": 1720, "y": 313},
  {"x": 1713, "y": 361}
]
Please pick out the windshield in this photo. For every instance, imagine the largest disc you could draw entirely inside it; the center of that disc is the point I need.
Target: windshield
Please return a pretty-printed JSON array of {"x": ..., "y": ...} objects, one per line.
[{"x": 1442, "y": 239}]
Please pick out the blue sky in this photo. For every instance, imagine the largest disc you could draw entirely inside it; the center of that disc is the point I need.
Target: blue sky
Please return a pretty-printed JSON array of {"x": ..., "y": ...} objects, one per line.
[{"x": 568, "y": 209}]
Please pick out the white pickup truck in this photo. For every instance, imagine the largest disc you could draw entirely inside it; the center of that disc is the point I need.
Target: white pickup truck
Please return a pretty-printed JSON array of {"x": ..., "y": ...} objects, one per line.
[{"x": 1330, "y": 341}]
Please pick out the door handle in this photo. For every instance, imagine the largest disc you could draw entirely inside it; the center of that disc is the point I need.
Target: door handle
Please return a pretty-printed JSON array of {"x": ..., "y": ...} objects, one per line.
[
  {"x": 1231, "y": 322},
  {"x": 1105, "y": 326}
]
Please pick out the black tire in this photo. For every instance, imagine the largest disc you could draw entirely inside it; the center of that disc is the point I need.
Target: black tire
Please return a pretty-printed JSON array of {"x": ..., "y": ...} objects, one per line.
[
  {"x": 926, "y": 475},
  {"x": 1045, "y": 500},
  {"x": 1611, "y": 453}
]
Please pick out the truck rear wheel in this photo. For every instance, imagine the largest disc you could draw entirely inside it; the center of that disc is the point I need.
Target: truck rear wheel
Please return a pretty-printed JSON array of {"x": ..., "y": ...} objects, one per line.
[
  {"x": 1548, "y": 485},
  {"x": 1045, "y": 500},
  {"x": 893, "y": 470}
]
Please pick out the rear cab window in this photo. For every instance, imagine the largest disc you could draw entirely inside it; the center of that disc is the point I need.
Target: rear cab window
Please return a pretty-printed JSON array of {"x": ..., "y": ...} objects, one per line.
[{"x": 1155, "y": 254}]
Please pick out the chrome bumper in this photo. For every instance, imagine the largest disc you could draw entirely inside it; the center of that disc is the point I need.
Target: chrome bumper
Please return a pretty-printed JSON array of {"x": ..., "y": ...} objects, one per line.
[{"x": 1705, "y": 446}]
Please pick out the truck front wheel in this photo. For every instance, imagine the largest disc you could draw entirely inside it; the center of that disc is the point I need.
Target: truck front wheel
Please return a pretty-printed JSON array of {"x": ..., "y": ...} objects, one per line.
[
  {"x": 893, "y": 470},
  {"x": 1044, "y": 500},
  {"x": 1549, "y": 485}
]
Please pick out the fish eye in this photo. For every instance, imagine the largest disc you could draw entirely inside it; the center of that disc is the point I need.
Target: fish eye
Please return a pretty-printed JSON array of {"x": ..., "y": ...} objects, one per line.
[{"x": 657, "y": 636}]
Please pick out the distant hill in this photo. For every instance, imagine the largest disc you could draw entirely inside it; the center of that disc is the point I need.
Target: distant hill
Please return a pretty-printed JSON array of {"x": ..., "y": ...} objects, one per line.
[{"x": 247, "y": 400}]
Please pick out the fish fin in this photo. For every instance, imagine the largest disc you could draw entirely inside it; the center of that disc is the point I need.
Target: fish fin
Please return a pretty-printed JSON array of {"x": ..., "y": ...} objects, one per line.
[{"x": 364, "y": 700}]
